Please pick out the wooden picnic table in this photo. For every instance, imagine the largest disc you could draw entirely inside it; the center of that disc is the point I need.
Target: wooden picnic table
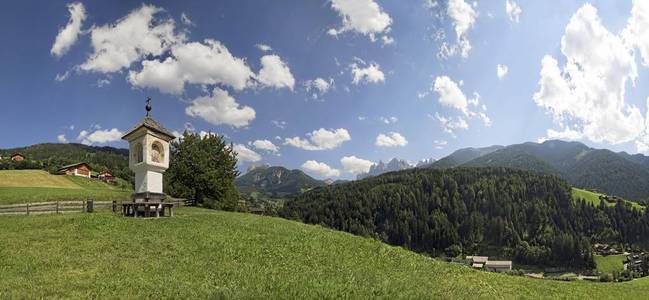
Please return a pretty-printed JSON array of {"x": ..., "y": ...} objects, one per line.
[{"x": 149, "y": 209}]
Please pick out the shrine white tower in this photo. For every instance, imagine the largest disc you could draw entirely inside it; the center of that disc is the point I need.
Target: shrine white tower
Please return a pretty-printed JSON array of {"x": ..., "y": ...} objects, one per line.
[{"x": 148, "y": 144}]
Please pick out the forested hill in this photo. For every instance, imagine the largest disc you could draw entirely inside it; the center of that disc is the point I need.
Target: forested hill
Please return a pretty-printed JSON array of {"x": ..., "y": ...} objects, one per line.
[
  {"x": 276, "y": 181},
  {"x": 613, "y": 173},
  {"x": 522, "y": 215},
  {"x": 52, "y": 156}
]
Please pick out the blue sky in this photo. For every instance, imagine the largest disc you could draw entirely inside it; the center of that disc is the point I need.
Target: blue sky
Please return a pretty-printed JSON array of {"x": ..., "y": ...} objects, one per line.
[{"x": 328, "y": 86}]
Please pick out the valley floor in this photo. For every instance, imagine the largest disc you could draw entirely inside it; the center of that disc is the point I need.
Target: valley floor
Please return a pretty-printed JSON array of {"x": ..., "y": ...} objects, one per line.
[{"x": 205, "y": 254}]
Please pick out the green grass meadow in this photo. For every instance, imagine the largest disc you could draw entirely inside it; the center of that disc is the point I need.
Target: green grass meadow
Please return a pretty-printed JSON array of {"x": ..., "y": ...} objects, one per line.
[
  {"x": 593, "y": 198},
  {"x": 210, "y": 254},
  {"x": 22, "y": 186},
  {"x": 609, "y": 264}
]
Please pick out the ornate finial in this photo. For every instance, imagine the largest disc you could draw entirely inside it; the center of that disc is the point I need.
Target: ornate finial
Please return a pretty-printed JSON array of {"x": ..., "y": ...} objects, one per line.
[{"x": 148, "y": 105}]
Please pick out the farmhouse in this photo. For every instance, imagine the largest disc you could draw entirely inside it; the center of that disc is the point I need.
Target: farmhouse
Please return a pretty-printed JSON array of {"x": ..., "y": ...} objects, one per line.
[
  {"x": 498, "y": 265},
  {"x": 17, "y": 157},
  {"x": 106, "y": 176},
  {"x": 78, "y": 169},
  {"x": 483, "y": 262}
]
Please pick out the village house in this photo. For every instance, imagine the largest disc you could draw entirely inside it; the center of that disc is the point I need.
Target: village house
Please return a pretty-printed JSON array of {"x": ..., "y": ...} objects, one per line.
[
  {"x": 498, "y": 265},
  {"x": 106, "y": 176},
  {"x": 17, "y": 157},
  {"x": 604, "y": 250},
  {"x": 483, "y": 262},
  {"x": 78, "y": 169},
  {"x": 634, "y": 263}
]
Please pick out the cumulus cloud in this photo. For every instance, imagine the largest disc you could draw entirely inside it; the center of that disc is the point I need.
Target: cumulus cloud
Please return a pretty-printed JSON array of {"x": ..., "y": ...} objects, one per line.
[
  {"x": 566, "y": 134},
  {"x": 321, "y": 139},
  {"x": 450, "y": 95},
  {"x": 70, "y": 33},
  {"x": 449, "y": 125},
  {"x": 220, "y": 108},
  {"x": 99, "y": 136},
  {"x": 319, "y": 169},
  {"x": 366, "y": 73},
  {"x": 501, "y": 71},
  {"x": 355, "y": 165},
  {"x": 61, "y": 138},
  {"x": 194, "y": 63},
  {"x": 117, "y": 46},
  {"x": 513, "y": 10},
  {"x": 316, "y": 88},
  {"x": 586, "y": 95},
  {"x": 463, "y": 17},
  {"x": 362, "y": 16},
  {"x": 275, "y": 73},
  {"x": 245, "y": 154},
  {"x": 391, "y": 139},
  {"x": 265, "y": 145}
]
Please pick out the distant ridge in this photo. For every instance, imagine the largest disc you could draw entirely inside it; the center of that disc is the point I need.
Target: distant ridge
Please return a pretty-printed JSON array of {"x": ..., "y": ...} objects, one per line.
[
  {"x": 620, "y": 174},
  {"x": 380, "y": 168}
]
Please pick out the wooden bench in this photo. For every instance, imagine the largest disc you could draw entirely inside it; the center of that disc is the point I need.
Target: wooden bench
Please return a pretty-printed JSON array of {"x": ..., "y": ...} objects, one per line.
[{"x": 149, "y": 209}]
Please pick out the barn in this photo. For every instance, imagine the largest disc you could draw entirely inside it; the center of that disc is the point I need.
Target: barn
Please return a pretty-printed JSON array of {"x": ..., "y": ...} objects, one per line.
[
  {"x": 17, "y": 157},
  {"x": 78, "y": 169}
]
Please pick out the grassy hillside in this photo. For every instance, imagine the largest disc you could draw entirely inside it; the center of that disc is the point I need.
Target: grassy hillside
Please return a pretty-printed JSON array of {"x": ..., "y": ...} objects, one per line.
[
  {"x": 20, "y": 186},
  {"x": 610, "y": 264},
  {"x": 592, "y": 197},
  {"x": 210, "y": 254}
]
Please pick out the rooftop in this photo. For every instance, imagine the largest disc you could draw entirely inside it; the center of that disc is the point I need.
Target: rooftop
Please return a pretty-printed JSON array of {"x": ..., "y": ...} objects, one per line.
[{"x": 151, "y": 124}]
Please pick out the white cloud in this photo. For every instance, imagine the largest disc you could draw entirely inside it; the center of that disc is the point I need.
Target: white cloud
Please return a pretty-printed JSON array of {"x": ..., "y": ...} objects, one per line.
[
  {"x": 245, "y": 154},
  {"x": 275, "y": 73},
  {"x": 513, "y": 10},
  {"x": 194, "y": 63},
  {"x": 265, "y": 145},
  {"x": 588, "y": 93},
  {"x": 566, "y": 134},
  {"x": 279, "y": 124},
  {"x": 62, "y": 77},
  {"x": 439, "y": 144},
  {"x": 355, "y": 165},
  {"x": 463, "y": 17},
  {"x": 451, "y": 95},
  {"x": 369, "y": 74},
  {"x": 117, "y": 46},
  {"x": 449, "y": 125},
  {"x": 321, "y": 139},
  {"x": 70, "y": 33},
  {"x": 362, "y": 16},
  {"x": 184, "y": 18},
  {"x": 391, "y": 139},
  {"x": 501, "y": 71},
  {"x": 99, "y": 136},
  {"x": 61, "y": 138},
  {"x": 103, "y": 82},
  {"x": 389, "y": 120},
  {"x": 316, "y": 88},
  {"x": 220, "y": 108},
  {"x": 387, "y": 40},
  {"x": 319, "y": 169},
  {"x": 264, "y": 47}
]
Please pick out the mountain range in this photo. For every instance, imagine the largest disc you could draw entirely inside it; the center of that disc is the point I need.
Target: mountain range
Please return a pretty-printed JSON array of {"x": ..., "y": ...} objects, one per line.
[
  {"x": 620, "y": 174},
  {"x": 275, "y": 181},
  {"x": 381, "y": 167}
]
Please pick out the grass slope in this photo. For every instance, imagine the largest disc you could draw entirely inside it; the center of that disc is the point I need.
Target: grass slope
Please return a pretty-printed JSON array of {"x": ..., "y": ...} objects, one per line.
[
  {"x": 593, "y": 198},
  {"x": 21, "y": 186},
  {"x": 210, "y": 254},
  {"x": 609, "y": 264}
]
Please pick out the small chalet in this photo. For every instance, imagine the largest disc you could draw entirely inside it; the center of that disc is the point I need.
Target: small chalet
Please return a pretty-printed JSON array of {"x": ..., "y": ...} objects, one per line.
[
  {"x": 17, "y": 157},
  {"x": 78, "y": 169},
  {"x": 106, "y": 176}
]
